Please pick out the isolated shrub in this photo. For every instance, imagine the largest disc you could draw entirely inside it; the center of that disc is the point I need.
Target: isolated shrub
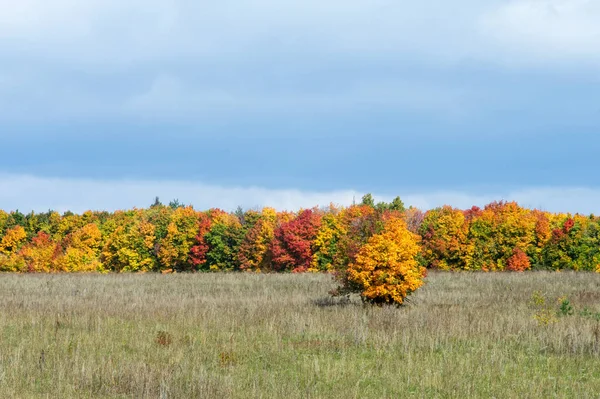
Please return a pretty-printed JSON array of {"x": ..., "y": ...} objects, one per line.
[{"x": 385, "y": 270}]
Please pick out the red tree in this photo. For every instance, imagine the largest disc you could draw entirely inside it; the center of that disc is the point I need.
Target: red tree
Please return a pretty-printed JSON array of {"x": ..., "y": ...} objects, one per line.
[
  {"x": 291, "y": 246},
  {"x": 198, "y": 251}
]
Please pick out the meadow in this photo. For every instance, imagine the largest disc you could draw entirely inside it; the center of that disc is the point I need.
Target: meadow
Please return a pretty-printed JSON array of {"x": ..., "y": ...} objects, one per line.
[{"x": 281, "y": 336}]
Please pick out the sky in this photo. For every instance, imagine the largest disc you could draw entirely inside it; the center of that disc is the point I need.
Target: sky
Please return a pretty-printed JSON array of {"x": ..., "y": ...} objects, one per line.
[{"x": 105, "y": 104}]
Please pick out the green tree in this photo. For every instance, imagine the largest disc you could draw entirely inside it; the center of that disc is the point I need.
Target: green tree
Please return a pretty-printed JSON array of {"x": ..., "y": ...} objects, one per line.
[
  {"x": 224, "y": 240},
  {"x": 368, "y": 200}
]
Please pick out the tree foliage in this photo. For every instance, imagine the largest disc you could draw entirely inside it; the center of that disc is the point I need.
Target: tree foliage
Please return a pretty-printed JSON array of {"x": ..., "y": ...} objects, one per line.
[
  {"x": 291, "y": 247},
  {"x": 499, "y": 236},
  {"x": 385, "y": 270}
]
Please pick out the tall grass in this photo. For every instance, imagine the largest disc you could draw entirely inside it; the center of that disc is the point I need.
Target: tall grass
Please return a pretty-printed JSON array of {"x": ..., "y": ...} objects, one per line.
[{"x": 279, "y": 336}]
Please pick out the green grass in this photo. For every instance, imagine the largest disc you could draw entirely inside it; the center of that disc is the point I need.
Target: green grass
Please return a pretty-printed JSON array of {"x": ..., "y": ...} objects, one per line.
[{"x": 279, "y": 336}]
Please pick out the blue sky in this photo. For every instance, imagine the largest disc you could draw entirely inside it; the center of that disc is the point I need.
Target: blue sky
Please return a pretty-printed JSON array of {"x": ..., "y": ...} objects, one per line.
[{"x": 104, "y": 105}]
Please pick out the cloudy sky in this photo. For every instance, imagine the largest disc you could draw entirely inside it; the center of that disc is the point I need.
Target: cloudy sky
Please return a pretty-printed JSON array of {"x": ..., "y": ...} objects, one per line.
[{"x": 105, "y": 104}]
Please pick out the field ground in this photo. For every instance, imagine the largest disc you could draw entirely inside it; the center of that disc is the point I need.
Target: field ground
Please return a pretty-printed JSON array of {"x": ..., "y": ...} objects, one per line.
[{"x": 278, "y": 336}]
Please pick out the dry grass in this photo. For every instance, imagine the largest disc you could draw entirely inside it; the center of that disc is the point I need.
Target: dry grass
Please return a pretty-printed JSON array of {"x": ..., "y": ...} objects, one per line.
[{"x": 278, "y": 336}]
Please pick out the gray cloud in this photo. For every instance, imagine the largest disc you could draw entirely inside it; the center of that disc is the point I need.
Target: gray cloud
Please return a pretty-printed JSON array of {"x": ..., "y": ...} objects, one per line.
[{"x": 154, "y": 57}]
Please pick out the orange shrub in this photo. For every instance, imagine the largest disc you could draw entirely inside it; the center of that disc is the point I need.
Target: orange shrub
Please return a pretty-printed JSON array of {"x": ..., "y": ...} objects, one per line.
[{"x": 385, "y": 270}]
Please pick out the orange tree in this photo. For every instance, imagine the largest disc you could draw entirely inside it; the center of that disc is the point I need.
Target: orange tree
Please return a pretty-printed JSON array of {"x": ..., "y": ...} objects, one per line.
[
  {"x": 39, "y": 255},
  {"x": 385, "y": 269}
]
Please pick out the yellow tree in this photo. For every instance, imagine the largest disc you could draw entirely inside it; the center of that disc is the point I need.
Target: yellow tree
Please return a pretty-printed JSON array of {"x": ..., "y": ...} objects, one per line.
[
  {"x": 173, "y": 250},
  {"x": 325, "y": 244},
  {"x": 445, "y": 239},
  {"x": 3, "y": 219},
  {"x": 129, "y": 247},
  {"x": 385, "y": 270},
  {"x": 68, "y": 224},
  {"x": 12, "y": 240},
  {"x": 81, "y": 250},
  {"x": 10, "y": 244},
  {"x": 253, "y": 251},
  {"x": 496, "y": 233}
]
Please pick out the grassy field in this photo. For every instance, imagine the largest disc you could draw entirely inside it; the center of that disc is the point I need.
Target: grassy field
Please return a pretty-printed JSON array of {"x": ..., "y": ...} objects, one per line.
[{"x": 278, "y": 336}]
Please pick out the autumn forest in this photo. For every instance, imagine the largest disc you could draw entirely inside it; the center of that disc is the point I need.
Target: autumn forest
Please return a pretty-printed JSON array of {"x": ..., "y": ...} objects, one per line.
[{"x": 177, "y": 238}]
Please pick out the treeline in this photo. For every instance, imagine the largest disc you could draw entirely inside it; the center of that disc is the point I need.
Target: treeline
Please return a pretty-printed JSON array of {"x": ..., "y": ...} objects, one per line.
[{"x": 501, "y": 236}]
